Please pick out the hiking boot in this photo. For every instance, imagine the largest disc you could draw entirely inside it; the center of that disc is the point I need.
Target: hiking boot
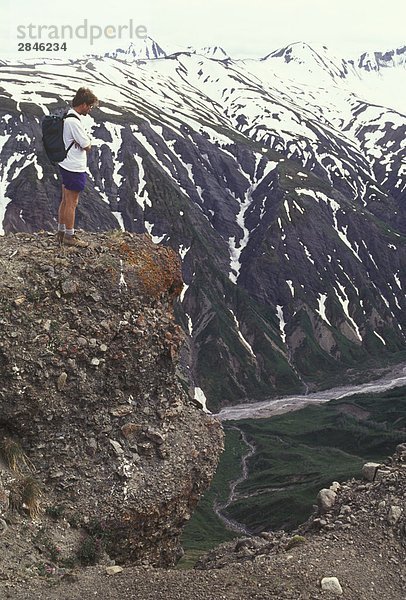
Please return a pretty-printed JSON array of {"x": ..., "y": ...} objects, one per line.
[
  {"x": 59, "y": 237},
  {"x": 73, "y": 240}
]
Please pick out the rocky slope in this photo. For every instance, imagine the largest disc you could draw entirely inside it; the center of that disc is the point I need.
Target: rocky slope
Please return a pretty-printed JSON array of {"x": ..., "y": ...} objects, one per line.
[
  {"x": 354, "y": 547},
  {"x": 101, "y": 448},
  {"x": 284, "y": 200}
]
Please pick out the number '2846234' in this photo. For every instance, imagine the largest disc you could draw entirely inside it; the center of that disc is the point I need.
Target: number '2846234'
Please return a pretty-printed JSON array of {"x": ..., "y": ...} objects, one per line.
[{"x": 41, "y": 46}]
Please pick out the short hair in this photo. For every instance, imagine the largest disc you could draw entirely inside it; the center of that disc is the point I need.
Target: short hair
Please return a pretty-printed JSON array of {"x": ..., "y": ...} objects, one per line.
[{"x": 84, "y": 95}]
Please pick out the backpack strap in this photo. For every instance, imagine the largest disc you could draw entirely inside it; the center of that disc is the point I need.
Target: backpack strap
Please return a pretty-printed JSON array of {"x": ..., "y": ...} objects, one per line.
[{"x": 65, "y": 116}]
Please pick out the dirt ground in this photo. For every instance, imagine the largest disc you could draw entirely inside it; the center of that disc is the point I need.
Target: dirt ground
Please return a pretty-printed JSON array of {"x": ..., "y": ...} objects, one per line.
[{"x": 370, "y": 565}]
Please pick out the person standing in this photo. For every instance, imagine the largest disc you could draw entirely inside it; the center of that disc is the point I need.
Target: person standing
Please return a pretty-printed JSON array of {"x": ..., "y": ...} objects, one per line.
[{"x": 73, "y": 167}]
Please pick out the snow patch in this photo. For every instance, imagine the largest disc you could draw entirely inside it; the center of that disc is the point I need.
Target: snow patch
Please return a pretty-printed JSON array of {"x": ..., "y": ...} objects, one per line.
[
  {"x": 242, "y": 338},
  {"x": 119, "y": 218},
  {"x": 201, "y": 398},
  {"x": 282, "y": 322},
  {"x": 396, "y": 276},
  {"x": 183, "y": 292},
  {"x": 189, "y": 324},
  {"x": 155, "y": 238},
  {"x": 292, "y": 289},
  {"x": 321, "y": 310},
  {"x": 183, "y": 251},
  {"x": 380, "y": 338},
  {"x": 343, "y": 298},
  {"x": 141, "y": 195}
]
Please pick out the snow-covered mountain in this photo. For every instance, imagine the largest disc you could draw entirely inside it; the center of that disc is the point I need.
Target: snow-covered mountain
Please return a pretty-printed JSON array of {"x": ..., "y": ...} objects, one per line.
[
  {"x": 378, "y": 77},
  {"x": 308, "y": 60},
  {"x": 145, "y": 49},
  {"x": 380, "y": 61},
  {"x": 214, "y": 52},
  {"x": 284, "y": 199},
  {"x": 313, "y": 58}
]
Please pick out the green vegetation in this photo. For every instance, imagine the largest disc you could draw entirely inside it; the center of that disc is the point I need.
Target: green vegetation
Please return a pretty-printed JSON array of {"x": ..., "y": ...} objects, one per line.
[
  {"x": 206, "y": 530},
  {"x": 297, "y": 454},
  {"x": 294, "y": 541}
]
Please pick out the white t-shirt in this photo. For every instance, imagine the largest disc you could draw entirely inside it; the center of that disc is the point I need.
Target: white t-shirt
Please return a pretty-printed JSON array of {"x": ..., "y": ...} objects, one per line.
[{"x": 73, "y": 130}]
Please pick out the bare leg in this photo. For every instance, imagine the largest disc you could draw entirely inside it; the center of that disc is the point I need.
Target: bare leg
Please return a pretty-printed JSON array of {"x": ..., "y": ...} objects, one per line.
[
  {"x": 69, "y": 204},
  {"x": 61, "y": 210}
]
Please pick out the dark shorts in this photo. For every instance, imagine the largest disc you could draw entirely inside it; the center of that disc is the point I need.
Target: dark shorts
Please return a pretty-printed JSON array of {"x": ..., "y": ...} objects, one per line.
[{"x": 72, "y": 180}]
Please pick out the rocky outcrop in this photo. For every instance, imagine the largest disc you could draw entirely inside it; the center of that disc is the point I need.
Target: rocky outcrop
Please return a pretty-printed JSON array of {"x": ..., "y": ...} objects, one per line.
[
  {"x": 97, "y": 435},
  {"x": 353, "y": 545}
]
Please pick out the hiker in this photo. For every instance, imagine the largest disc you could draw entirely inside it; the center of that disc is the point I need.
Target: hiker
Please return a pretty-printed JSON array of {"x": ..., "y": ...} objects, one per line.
[{"x": 73, "y": 167}]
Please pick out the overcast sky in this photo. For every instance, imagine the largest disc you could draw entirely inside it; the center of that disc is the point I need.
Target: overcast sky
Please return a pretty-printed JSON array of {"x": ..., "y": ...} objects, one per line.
[{"x": 249, "y": 28}]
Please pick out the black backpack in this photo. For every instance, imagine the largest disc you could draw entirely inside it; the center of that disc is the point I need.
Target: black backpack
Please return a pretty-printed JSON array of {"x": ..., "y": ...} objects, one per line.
[{"x": 52, "y": 137}]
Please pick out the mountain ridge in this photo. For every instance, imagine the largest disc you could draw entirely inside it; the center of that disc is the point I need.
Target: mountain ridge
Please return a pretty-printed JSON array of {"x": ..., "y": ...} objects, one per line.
[
  {"x": 284, "y": 201},
  {"x": 382, "y": 58}
]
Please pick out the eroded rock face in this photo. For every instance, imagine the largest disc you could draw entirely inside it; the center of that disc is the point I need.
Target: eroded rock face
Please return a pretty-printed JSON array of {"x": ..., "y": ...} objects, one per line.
[{"x": 88, "y": 388}]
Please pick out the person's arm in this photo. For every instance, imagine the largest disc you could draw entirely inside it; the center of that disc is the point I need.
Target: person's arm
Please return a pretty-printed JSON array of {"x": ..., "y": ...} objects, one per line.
[{"x": 79, "y": 135}]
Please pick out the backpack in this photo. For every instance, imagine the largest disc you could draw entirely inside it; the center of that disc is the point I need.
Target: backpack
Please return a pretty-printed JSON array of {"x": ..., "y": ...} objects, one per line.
[{"x": 52, "y": 137}]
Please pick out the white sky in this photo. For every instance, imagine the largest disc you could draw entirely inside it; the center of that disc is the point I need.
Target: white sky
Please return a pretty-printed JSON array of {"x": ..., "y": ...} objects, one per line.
[{"x": 250, "y": 28}]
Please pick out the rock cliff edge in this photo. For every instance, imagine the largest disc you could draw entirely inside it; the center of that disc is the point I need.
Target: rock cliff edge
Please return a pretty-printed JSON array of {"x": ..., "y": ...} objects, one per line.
[{"x": 101, "y": 448}]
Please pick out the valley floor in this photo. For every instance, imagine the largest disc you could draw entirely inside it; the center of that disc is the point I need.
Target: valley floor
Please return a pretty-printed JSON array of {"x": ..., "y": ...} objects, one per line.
[{"x": 383, "y": 379}]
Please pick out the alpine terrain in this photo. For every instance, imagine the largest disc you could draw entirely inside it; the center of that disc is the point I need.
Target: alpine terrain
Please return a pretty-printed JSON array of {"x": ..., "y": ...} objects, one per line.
[{"x": 280, "y": 182}]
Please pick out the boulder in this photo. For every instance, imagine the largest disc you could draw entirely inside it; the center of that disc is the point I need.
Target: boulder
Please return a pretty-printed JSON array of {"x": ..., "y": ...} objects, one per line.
[
  {"x": 114, "y": 569},
  {"x": 381, "y": 474},
  {"x": 394, "y": 514},
  {"x": 332, "y": 585},
  {"x": 326, "y": 499},
  {"x": 369, "y": 470}
]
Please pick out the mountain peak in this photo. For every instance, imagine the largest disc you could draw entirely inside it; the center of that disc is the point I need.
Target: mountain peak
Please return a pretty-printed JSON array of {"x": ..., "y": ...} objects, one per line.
[
  {"x": 145, "y": 49},
  {"x": 297, "y": 51},
  {"x": 314, "y": 60},
  {"x": 216, "y": 52}
]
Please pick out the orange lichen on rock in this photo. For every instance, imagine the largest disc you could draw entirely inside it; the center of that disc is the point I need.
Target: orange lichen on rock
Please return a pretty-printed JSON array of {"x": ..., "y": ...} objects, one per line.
[{"x": 158, "y": 268}]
